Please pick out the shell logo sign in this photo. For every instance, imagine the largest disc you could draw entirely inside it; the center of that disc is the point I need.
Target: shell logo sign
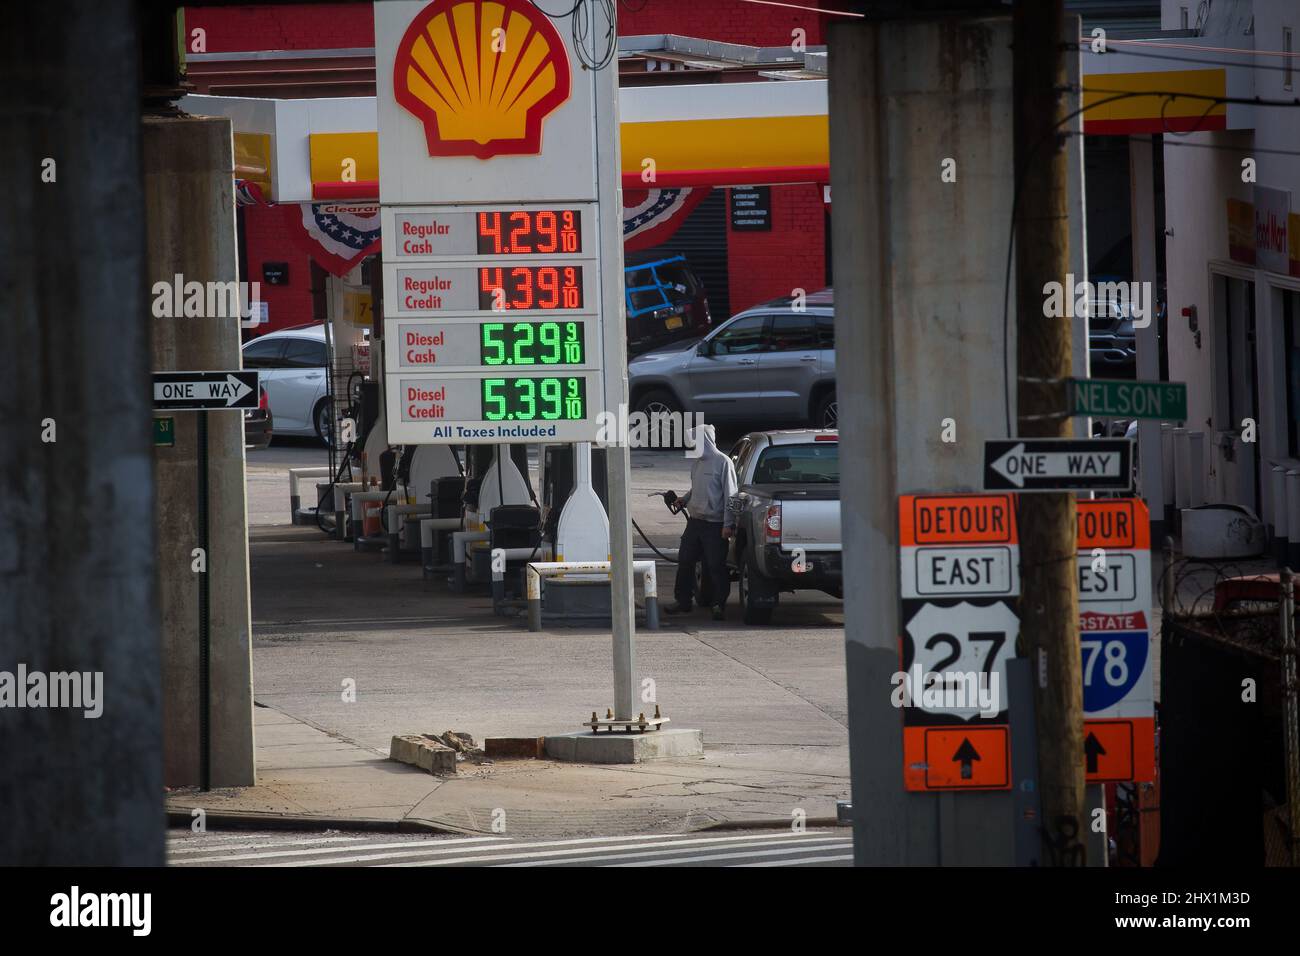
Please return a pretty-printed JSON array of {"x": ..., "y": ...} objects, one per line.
[{"x": 482, "y": 76}]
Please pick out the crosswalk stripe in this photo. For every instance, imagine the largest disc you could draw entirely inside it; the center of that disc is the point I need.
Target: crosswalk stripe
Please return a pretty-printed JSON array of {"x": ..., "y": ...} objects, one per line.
[
  {"x": 230, "y": 837},
  {"x": 433, "y": 848},
  {"x": 551, "y": 854},
  {"x": 808, "y": 859},
  {"x": 736, "y": 854},
  {"x": 332, "y": 849},
  {"x": 742, "y": 850},
  {"x": 177, "y": 846}
]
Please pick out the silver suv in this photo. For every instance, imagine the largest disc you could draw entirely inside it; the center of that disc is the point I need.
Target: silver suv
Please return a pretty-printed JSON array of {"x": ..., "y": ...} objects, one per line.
[{"x": 770, "y": 364}]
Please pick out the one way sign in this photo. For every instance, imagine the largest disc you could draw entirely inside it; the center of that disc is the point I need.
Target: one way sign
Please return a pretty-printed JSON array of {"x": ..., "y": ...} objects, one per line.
[
  {"x": 179, "y": 391},
  {"x": 1058, "y": 464}
]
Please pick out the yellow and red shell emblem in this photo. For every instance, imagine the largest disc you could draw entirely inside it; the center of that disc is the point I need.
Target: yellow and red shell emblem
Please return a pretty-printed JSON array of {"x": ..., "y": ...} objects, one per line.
[{"x": 481, "y": 75}]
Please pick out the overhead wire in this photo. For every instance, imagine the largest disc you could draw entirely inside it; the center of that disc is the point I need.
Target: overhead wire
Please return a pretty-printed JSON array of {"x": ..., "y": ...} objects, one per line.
[{"x": 594, "y": 52}]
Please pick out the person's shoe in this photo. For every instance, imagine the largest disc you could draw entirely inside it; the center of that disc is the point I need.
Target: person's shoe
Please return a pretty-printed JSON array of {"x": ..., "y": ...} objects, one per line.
[
  {"x": 719, "y": 612},
  {"x": 678, "y": 609}
]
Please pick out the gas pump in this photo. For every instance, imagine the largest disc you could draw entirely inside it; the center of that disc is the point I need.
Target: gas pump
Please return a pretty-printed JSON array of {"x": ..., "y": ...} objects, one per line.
[
  {"x": 403, "y": 513},
  {"x": 576, "y": 526},
  {"x": 377, "y": 485},
  {"x": 497, "y": 478}
]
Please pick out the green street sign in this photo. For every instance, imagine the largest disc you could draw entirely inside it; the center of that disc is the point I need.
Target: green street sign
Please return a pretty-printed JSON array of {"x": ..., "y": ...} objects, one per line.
[
  {"x": 164, "y": 432},
  {"x": 1116, "y": 398}
]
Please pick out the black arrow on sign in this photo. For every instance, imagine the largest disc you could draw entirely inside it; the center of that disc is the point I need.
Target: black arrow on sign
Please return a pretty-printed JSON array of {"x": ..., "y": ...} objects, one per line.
[
  {"x": 1093, "y": 749},
  {"x": 965, "y": 754}
]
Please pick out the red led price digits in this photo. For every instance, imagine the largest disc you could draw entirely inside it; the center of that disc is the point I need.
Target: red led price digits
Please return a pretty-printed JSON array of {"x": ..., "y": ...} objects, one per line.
[
  {"x": 568, "y": 232},
  {"x": 523, "y": 232},
  {"x": 572, "y": 288},
  {"x": 530, "y": 287},
  {"x": 489, "y": 229}
]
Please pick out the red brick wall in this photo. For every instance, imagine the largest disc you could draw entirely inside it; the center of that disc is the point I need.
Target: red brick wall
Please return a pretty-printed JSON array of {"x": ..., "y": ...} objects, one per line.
[
  {"x": 764, "y": 265},
  {"x": 324, "y": 26},
  {"x": 308, "y": 26},
  {"x": 267, "y": 239},
  {"x": 731, "y": 21}
]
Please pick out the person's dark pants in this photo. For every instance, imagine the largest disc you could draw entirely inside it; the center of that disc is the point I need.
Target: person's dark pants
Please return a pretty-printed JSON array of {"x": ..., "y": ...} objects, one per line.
[{"x": 702, "y": 541}]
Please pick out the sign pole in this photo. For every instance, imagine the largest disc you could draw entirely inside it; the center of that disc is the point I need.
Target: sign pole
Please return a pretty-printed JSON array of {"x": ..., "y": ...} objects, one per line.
[
  {"x": 205, "y": 623},
  {"x": 618, "y": 460},
  {"x": 1049, "y": 605}
]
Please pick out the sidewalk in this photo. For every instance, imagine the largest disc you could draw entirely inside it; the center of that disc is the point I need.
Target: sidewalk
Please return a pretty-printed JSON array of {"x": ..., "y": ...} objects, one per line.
[
  {"x": 771, "y": 703},
  {"x": 312, "y": 778}
]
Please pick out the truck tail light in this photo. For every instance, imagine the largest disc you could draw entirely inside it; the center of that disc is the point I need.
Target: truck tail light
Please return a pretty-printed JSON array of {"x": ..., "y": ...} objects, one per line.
[{"x": 772, "y": 526}]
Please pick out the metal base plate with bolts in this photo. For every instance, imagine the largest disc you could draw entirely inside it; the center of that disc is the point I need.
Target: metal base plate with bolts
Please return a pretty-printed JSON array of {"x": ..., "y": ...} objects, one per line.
[{"x": 637, "y": 725}]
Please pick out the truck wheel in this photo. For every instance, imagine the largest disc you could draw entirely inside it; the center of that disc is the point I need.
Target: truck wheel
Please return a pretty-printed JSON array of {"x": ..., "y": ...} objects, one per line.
[{"x": 751, "y": 613}]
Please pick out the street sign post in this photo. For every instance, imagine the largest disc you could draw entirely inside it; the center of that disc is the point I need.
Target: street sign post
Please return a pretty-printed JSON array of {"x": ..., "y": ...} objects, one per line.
[
  {"x": 1117, "y": 398},
  {"x": 1058, "y": 464},
  {"x": 960, "y": 583},
  {"x": 1114, "y": 540},
  {"x": 959, "y": 575},
  {"x": 201, "y": 391}
]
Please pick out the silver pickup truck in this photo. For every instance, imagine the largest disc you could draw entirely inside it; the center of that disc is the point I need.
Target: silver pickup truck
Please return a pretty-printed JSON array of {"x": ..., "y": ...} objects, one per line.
[{"x": 787, "y": 517}]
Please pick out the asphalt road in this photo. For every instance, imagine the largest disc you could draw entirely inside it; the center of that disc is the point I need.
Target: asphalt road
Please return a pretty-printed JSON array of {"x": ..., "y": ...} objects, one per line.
[{"x": 335, "y": 848}]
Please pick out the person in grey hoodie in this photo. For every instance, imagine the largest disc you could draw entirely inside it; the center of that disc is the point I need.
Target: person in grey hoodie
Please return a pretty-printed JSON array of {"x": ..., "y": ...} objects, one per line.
[{"x": 709, "y": 525}]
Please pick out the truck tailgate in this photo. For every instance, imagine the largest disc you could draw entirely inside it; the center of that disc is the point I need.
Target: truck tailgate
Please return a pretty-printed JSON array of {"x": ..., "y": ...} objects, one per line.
[{"x": 810, "y": 522}]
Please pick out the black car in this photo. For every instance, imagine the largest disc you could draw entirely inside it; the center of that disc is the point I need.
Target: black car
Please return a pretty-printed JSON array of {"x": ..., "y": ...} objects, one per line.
[
  {"x": 666, "y": 301},
  {"x": 258, "y": 421}
]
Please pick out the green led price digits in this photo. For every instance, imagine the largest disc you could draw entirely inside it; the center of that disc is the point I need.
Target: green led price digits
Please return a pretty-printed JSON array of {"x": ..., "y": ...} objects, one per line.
[
  {"x": 531, "y": 399},
  {"x": 532, "y": 343}
]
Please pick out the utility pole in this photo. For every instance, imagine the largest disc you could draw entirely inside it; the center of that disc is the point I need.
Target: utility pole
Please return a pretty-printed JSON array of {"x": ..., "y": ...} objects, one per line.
[{"x": 1049, "y": 602}]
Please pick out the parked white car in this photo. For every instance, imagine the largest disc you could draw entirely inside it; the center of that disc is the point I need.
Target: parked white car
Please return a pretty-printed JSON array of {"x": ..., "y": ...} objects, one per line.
[{"x": 291, "y": 364}]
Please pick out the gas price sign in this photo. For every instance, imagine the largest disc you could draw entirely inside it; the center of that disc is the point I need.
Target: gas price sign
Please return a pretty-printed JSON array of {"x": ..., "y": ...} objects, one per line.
[
  {"x": 466, "y": 232},
  {"x": 492, "y": 329},
  {"x": 471, "y": 345},
  {"x": 501, "y": 226}
]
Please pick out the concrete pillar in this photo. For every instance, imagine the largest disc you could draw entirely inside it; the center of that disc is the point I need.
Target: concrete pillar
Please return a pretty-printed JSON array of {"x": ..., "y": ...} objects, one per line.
[
  {"x": 77, "y": 562},
  {"x": 191, "y": 231},
  {"x": 916, "y": 256}
]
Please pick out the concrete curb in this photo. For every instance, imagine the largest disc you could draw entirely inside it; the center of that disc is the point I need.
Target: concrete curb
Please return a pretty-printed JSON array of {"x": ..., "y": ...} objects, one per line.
[
  {"x": 181, "y": 818},
  {"x": 777, "y": 824},
  {"x": 215, "y": 820}
]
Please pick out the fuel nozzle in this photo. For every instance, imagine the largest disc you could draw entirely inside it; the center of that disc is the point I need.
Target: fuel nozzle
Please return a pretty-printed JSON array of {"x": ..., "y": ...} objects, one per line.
[{"x": 669, "y": 497}]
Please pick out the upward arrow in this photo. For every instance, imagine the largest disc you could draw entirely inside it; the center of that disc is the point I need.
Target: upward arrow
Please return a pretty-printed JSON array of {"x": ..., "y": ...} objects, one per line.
[
  {"x": 965, "y": 754},
  {"x": 1093, "y": 749}
]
